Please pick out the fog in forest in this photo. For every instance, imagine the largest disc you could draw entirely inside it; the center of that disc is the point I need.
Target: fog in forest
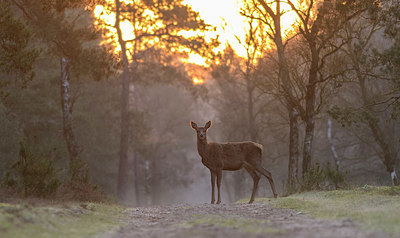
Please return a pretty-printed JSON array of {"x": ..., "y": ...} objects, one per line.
[{"x": 79, "y": 114}]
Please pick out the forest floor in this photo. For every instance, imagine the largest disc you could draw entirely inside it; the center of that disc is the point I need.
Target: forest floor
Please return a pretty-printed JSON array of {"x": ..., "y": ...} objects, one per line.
[
  {"x": 363, "y": 212},
  {"x": 234, "y": 220}
]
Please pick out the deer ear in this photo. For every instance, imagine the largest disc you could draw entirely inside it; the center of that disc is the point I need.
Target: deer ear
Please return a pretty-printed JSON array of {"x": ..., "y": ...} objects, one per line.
[
  {"x": 208, "y": 125},
  {"x": 193, "y": 125}
]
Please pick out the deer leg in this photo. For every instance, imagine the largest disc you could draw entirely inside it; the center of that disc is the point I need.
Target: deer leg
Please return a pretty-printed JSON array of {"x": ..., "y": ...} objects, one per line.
[
  {"x": 219, "y": 177},
  {"x": 212, "y": 187},
  {"x": 268, "y": 175},
  {"x": 256, "y": 179}
]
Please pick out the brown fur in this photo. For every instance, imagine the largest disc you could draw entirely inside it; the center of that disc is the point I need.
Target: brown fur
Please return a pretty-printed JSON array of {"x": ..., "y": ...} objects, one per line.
[{"x": 230, "y": 156}]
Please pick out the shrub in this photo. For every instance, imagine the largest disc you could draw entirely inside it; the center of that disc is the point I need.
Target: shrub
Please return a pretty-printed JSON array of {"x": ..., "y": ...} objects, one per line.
[
  {"x": 34, "y": 172},
  {"x": 85, "y": 192},
  {"x": 319, "y": 178},
  {"x": 335, "y": 176},
  {"x": 313, "y": 179}
]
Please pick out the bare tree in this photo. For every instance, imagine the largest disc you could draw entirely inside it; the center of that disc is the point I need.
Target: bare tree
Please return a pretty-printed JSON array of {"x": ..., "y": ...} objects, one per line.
[
  {"x": 263, "y": 12},
  {"x": 362, "y": 35},
  {"x": 158, "y": 30},
  {"x": 320, "y": 23}
]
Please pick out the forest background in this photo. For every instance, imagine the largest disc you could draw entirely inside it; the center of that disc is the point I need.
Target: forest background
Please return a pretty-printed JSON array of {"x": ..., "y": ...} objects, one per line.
[{"x": 98, "y": 95}]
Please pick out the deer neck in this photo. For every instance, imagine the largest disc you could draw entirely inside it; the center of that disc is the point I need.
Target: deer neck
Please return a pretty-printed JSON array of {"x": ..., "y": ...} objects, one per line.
[{"x": 202, "y": 147}]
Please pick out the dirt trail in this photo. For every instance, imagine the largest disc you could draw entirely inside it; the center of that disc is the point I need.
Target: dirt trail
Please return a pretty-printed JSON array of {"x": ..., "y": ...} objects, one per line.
[{"x": 232, "y": 220}]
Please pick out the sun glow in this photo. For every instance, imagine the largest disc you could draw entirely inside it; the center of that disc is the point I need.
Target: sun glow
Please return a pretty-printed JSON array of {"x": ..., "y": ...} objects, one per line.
[
  {"x": 109, "y": 19},
  {"x": 225, "y": 15},
  {"x": 197, "y": 80},
  {"x": 230, "y": 25}
]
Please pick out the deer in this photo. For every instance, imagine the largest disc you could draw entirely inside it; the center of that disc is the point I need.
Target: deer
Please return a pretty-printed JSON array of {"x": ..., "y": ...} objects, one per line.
[{"x": 230, "y": 156}]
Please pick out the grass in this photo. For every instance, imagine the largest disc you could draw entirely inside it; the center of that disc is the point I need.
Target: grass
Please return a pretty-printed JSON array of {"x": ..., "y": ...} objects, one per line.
[
  {"x": 246, "y": 225},
  {"x": 376, "y": 208},
  {"x": 63, "y": 220}
]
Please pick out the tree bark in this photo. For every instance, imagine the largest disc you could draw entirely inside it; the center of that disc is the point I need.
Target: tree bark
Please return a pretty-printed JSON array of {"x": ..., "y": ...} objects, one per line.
[
  {"x": 284, "y": 75},
  {"x": 239, "y": 179},
  {"x": 250, "y": 111},
  {"x": 124, "y": 136},
  {"x": 293, "y": 113},
  {"x": 137, "y": 182},
  {"x": 333, "y": 149},
  {"x": 293, "y": 149},
  {"x": 388, "y": 157},
  {"x": 310, "y": 106},
  {"x": 148, "y": 196},
  {"x": 76, "y": 166}
]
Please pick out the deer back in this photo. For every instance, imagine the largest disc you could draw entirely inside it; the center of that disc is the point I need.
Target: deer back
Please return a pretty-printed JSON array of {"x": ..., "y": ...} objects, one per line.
[{"x": 234, "y": 154}]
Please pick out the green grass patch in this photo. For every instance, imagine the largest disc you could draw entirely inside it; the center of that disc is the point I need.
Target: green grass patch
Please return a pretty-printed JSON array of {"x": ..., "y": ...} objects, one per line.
[
  {"x": 246, "y": 225},
  {"x": 377, "y": 208},
  {"x": 66, "y": 220}
]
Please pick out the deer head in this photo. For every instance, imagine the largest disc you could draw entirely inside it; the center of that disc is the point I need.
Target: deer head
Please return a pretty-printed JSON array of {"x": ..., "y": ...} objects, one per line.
[{"x": 201, "y": 131}]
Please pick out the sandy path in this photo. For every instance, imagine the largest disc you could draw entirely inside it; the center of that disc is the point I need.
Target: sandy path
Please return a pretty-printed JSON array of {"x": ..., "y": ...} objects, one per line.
[{"x": 232, "y": 220}]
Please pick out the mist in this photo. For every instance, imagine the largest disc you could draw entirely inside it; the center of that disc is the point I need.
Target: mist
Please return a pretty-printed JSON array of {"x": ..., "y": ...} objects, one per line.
[{"x": 84, "y": 109}]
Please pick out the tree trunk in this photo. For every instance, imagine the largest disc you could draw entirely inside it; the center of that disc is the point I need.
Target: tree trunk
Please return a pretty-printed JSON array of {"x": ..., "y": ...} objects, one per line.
[
  {"x": 333, "y": 149},
  {"x": 77, "y": 168},
  {"x": 388, "y": 157},
  {"x": 147, "y": 184},
  {"x": 124, "y": 136},
  {"x": 250, "y": 111},
  {"x": 293, "y": 150},
  {"x": 137, "y": 182},
  {"x": 307, "y": 144},
  {"x": 395, "y": 180},
  {"x": 284, "y": 74},
  {"x": 228, "y": 188},
  {"x": 154, "y": 184},
  {"x": 123, "y": 149},
  {"x": 310, "y": 108},
  {"x": 239, "y": 179}
]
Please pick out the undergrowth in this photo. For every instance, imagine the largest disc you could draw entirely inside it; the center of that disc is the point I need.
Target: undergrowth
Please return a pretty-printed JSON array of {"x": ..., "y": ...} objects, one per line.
[{"x": 33, "y": 175}]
